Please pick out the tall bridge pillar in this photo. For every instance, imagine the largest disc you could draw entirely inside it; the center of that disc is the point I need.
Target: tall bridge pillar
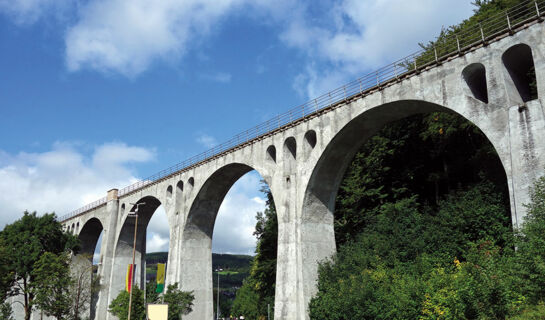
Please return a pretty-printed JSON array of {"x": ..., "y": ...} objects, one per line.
[
  {"x": 107, "y": 254},
  {"x": 527, "y": 141}
]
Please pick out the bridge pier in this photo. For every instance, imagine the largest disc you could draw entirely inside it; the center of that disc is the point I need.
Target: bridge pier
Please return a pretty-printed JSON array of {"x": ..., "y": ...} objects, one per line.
[
  {"x": 105, "y": 270},
  {"x": 527, "y": 151}
]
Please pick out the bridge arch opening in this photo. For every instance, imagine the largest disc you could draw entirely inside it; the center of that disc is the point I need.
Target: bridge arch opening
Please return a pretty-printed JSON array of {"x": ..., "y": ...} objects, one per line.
[
  {"x": 290, "y": 149},
  {"x": 89, "y": 237},
  {"x": 88, "y": 260},
  {"x": 475, "y": 79},
  {"x": 222, "y": 220},
  {"x": 320, "y": 216},
  {"x": 519, "y": 62},
  {"x": 271, "y": 153},
  {"x": 179, "y": 194},
  {"x": 152, "y": 245},
  {"x": 310, "y": 140}
]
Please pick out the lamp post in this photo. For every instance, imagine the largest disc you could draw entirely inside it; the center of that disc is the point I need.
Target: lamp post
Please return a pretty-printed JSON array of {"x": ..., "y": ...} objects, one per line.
[
  {"x": 135, "y": 215},
  {"x": 218, "y": 296}
]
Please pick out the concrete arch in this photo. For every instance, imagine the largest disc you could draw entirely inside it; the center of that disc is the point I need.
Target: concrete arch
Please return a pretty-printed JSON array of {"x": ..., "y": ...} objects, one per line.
[
  {"x": 196, "y": 268},
  {"x": 328, "y": 172},
  {"x": 124, "y": 244},
  {"x": 88, "y": 236},
  {"x": 319, "y": 199}
]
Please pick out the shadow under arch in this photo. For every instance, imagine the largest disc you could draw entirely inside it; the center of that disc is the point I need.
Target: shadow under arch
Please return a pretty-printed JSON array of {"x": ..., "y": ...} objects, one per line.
[
  {"x": 328, "y": 173},
  {"x": 196, "y": 264},
  {"x": 89, "y": 235},
  {"x": 125, "y": 241},
  {"x": 82, "y": 263},
  {"x": 320, "y": 194}
]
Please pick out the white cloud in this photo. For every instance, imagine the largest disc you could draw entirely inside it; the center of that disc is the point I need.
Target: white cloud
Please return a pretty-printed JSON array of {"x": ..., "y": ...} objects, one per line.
[
  {"x": 358, "y": 36},
  {"x": 235, "y": 223},
  {"x": 128, "y": 36},
  {"x": 64, "y": 178},
  {"x": 341, "y": 39},
  {"x": 207, "y": 141},
  {"x": 157, "y": 243},
  {"x": 158, "y": 232}
]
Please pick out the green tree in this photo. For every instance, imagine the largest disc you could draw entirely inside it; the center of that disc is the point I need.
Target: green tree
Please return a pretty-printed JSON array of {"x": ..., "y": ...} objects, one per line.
[
  {"x": 531, "y": 245},
  {"x": 427, "y": 156},
  {"x": 179, "y": 302},
  {"x": 7, "y": 275},
  {"x": 26, "y": 240},
  {"x": 246, "y": 301},
  {"x": 400, "y": 266},
  {"x": 151, "y": 292},
  {"x": 260, "y": 285},
  {"x": 52, "y": 284},
  {"x": 6, "y": 313},
  {"x": 119, "y": 307}
]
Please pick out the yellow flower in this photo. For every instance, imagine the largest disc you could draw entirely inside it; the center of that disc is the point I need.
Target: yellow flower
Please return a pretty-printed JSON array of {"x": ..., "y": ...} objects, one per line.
[{"x": 457, "y": 262}]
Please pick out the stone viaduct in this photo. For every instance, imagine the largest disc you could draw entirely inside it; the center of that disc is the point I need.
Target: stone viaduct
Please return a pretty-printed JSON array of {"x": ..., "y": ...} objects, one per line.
[{"x": 303, "y": 160}]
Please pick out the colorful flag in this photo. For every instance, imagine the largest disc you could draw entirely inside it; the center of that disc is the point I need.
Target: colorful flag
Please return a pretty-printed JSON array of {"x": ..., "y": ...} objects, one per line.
[
  {"x": 160, "y": 277},
  {"x": 129, "y": 278}
]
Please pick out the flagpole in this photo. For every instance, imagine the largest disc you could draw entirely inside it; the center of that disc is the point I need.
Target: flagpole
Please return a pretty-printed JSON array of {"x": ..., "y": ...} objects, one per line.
[{"x": 133, "y": 255}]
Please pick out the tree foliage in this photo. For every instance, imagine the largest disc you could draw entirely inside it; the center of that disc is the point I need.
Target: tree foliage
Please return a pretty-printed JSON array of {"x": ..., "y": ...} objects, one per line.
[
  {"x": 405, "y": 264},
  {"x": 119, "y": 307},
  {"x": 6, "y": 312},
  {"x": 52, "y": 284},
  {"x": 531, "y": 245},
  {"x": 423, "y": 156},
  {"x": 257, "y": 292},
  {"x": 179, "y": 302},
  {"x": 25, "y": 241}
]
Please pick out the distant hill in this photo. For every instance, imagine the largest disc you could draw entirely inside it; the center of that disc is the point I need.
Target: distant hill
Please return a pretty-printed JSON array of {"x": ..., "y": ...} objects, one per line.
[
  {"x": 235, "y": 267},
  {"x": 219, "y": 260}
]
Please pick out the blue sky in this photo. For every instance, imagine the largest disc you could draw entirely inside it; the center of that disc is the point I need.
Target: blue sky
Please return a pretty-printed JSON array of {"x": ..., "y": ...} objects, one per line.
[{"x": 96, "y": 94}]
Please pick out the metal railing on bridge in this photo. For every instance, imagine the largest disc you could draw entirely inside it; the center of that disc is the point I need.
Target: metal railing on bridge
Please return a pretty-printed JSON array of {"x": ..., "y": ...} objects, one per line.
[{"x": 480, "y": 34}]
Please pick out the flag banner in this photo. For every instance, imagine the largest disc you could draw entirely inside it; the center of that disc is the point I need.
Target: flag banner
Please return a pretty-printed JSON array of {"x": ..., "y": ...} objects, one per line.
[
  {"x": 129, "y": 278},
  {"x": 160, "y": 277}
]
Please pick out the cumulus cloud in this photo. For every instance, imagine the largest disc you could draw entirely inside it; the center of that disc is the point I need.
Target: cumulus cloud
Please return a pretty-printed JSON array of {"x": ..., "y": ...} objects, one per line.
[
  {"x": 156, "y": 243},
  {"x": 64, "y": 178},
  {"x": 235, "y": 223},
  {"x": 357, "y": 36},
  {"x": 127, "y": 36},
  {"x": 341, "y": 39}
]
